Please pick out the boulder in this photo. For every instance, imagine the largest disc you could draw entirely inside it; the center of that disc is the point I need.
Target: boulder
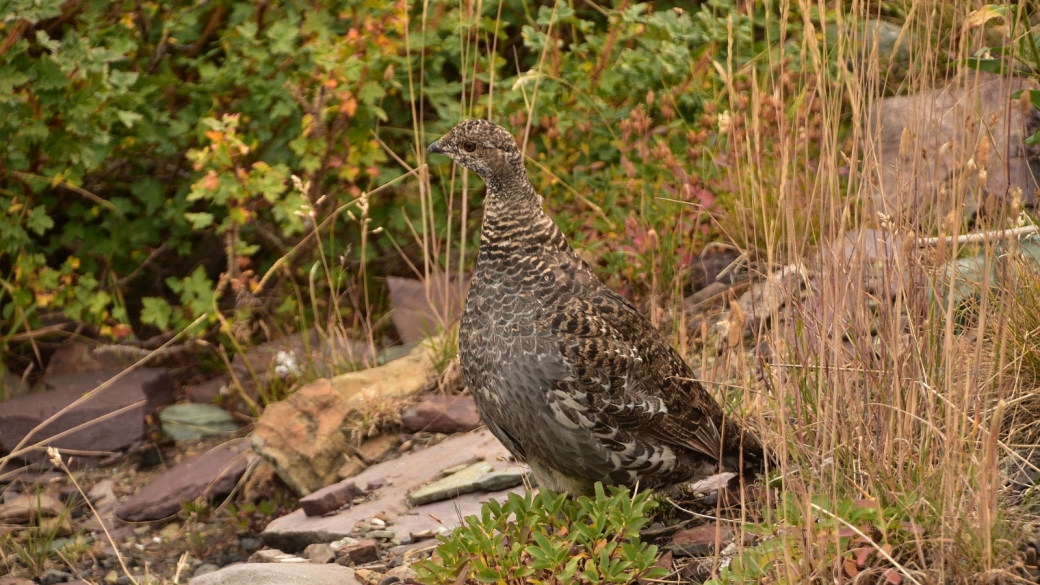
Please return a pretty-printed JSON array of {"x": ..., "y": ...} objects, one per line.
[
  {"x": 442, "y": 414},
  {"x": 917, "y": 143},
  {"x": 278, "y": 574},
  {"x": 302, "y": 436},
  {"x": 151, "y": 387},
  {"x": 211, "y": 474},
  {"x": 396, "y": 379}
]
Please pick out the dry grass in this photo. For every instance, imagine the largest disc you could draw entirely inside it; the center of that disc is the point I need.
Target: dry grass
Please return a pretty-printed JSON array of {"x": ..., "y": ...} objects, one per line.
[{"x": 903, "y": 399}]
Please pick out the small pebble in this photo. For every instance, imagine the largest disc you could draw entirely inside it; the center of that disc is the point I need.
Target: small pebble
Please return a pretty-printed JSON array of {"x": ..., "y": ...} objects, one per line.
[
  {"x": 378, "y": 523},
  {"x": 381, "y": 534}
]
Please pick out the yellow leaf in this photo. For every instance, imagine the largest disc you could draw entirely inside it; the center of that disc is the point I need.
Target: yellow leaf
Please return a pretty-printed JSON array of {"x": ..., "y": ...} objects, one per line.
[{"x": 983, "y": 15}]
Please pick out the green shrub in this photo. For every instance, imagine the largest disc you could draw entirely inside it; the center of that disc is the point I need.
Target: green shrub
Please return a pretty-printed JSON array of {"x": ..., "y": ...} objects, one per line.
[
  {"x": 143, "y": 142},
  {"x": 548, "y": 538}
]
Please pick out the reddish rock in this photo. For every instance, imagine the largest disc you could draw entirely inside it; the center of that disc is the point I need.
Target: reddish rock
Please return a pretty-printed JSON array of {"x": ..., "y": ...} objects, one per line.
[
  {"x": 150, "y": 386},
  {"x": 442, "y": 414},
  {"x": 302, "y": 436},
  {"x": 329, "y": 498},
  {"x": 366, "y": 551},
  {"x": 700, "y": 541},
  {"x": 211, "y": 474},
  {"x": 420, "y": 311}
]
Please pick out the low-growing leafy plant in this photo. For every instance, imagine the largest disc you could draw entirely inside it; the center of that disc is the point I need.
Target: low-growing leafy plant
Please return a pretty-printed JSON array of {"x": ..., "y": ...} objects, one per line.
[
  {"x": 549, "y": 538},
  {"x": 853, "y": 535},
  {"x": 34, "y": 546}
]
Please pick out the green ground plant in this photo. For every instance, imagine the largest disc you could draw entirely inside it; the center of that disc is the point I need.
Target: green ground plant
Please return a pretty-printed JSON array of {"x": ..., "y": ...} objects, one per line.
[{"x": 550, "y": 538}]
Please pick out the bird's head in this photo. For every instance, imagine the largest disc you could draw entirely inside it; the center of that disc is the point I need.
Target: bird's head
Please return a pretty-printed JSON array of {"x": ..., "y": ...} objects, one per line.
[{"x": 484, "y": 148}]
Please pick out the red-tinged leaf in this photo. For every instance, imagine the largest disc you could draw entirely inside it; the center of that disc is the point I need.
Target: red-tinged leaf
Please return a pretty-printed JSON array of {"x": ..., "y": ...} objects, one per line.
[
  {"x": 847, "y": 533},
  {"x": 850, "y": 567},
  {"x": 892, "y": 576},
  {"x": 862, "y": 555},
  {"x": 912, "y": 527},
  {"x": 866, "y": 504}
]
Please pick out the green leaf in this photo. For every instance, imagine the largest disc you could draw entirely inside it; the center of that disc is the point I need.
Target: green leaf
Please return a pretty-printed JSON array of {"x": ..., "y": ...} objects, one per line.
[
  {"x": 156, "y": 311},
  {"x": 38, "y": 220},
  {"x": 201, "y": 220},
  {"x": 128, "y": 118}
]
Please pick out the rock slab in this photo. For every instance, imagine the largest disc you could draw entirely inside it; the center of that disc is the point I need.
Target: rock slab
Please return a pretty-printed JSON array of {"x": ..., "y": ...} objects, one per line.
[
  {"x": 190, "y": 422},
  {"x": 329, "y": 498},
  {"x": 399, "y": 477},
  {"x": 462, "y": 481},
  {"x": 442, "y": 414},
  {"x": 152, "y": 387},
  {"x": 213, "y": 473},
  {"x": 278, "y": 574}
]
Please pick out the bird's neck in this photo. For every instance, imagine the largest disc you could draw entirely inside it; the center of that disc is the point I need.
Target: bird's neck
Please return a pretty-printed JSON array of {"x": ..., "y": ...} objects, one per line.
[{"x": 514, "y": 222}]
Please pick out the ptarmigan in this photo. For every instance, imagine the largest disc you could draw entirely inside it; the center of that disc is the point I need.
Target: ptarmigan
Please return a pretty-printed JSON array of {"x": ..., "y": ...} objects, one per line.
[{"x": 566, "y": 373}]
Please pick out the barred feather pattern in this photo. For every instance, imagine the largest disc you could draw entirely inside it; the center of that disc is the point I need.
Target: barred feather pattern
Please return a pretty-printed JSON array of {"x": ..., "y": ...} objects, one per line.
[{"x": 567, "y": 374}]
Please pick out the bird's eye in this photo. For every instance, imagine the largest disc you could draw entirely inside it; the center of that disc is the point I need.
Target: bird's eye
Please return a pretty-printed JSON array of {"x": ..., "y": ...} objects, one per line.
[{"x": 469, "y": 146}]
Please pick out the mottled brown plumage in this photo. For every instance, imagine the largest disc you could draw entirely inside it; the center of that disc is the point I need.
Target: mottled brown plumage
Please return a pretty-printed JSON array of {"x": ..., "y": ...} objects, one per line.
[{"x": 567, "y": 374}]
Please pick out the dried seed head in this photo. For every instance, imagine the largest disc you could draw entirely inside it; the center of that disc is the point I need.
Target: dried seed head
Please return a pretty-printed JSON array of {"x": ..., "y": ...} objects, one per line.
[
  {"x": 906, "y": 146},
  {"x": 982, "y": 153}
]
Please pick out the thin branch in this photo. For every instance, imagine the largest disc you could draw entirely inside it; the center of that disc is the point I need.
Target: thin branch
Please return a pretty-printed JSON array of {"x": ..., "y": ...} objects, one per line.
[
  {"x": 979, "y": 237},
  {"x": 70, "y": 187}
]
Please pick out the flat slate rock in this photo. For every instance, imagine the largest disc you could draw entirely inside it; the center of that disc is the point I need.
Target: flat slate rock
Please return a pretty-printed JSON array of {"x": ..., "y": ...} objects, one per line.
[
  {"x": 399, "y": 477},
  {"x": 213, "y": 473},
  {"x": 278, "y": 574},
  {"x": 151, "y": 386},
  {"x": 190, "y": 422},
  {"x": 442, "y": 414}
]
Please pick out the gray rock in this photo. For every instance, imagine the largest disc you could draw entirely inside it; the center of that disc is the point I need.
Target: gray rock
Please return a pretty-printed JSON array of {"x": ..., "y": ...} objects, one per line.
[
  {"x": 279, "y": 574},
  {"x": 502, "y": 480},
  {"x": 460, "y": 482},
  {"x": 53, "y": 576},
  {"x": 190, "y": 422},
  {"x": 273, "y": 555},
  {"x": 319, "y": 554},
  {"x": 916, "y": 144},
  {"x": 206, "y": 568},
  {"x": 381, "y": 534}
]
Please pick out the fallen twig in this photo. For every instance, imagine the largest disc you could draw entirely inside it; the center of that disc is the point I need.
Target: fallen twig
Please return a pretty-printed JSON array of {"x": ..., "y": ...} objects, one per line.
[{"x": 979, "y": 237}]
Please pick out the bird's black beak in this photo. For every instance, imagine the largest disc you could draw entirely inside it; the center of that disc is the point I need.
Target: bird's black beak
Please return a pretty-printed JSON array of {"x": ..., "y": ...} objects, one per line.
[{"x": 435, "y": 148}]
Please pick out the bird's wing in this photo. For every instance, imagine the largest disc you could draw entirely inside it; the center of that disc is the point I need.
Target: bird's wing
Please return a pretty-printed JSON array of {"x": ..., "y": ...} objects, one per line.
[{"x": 627, "y": 378}]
